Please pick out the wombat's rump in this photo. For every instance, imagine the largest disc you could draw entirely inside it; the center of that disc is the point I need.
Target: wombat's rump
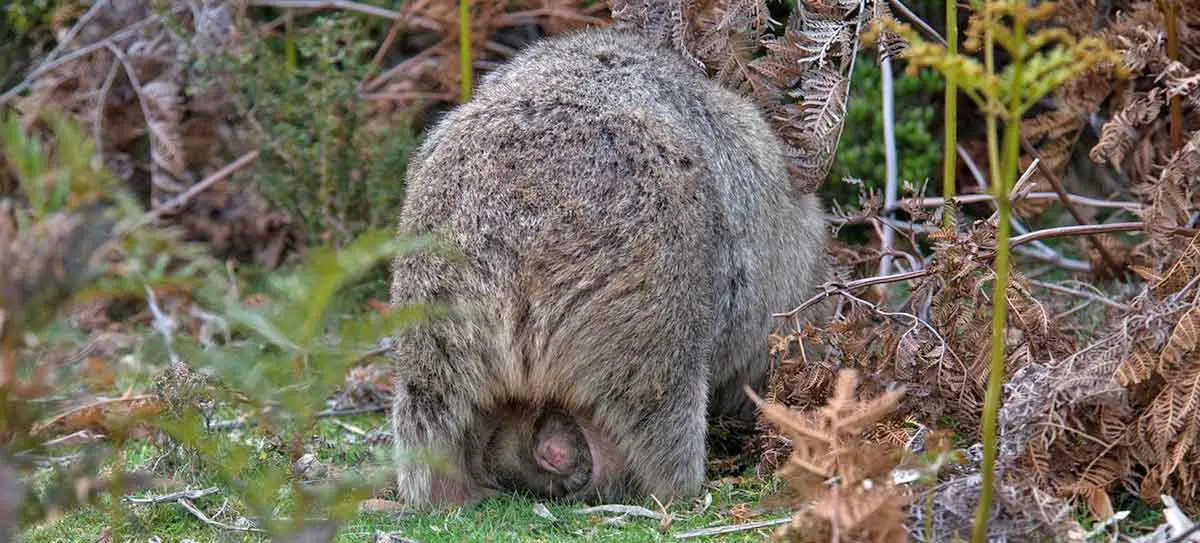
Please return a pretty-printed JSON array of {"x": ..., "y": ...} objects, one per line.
[{"x": 626, "y": 227}]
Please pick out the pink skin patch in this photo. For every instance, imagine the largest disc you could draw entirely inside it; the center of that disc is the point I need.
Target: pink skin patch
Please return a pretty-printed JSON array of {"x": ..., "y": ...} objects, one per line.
[{"x": 554, "y": 454}]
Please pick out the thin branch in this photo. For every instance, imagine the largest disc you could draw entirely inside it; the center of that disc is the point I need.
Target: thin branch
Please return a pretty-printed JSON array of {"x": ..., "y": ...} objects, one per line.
[
  {"x": 1055, "y": 182},
  {"x": 1074, "y": 198},
  {"x": 193, "y": 190},
  {"x": 174, "y": 496},
  {"x": 73, "y": 55},
  {"x": 917, "y": 20},
  {"x": 1057, "y": 260},
  {"x": 82, "y": 22},
  {"x": 196, "y": 512},
  {"x": 163, "y": 323},
  {"x": 634, "y": 510},
  {"x": 832, "y": 287},
  {"x": 101, "y": 101},
  {"x": 733, "y": 528},
  {"x": 242, "y": 422},
  {"x": 407, "y": 64},
  {"x": 345, "y": 5},
  {"x": 1076, "y": 230},
  {"x": 1081, "y": 293},
  {"x": 892, "y": 184}
]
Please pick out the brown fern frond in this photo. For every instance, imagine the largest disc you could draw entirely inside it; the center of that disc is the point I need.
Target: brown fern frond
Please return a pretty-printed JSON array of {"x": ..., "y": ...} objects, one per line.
[
  {"x": 1175, "y": 194},
  {"x": 1180, "y": 273},
  {"x": 1134, "y": 369},
  {"x": 827, "y": 444},
  {"x": 1118, "y": 135},
  {"x": 1171, "y": 412},
  {"x": 1181, "y": 353}
]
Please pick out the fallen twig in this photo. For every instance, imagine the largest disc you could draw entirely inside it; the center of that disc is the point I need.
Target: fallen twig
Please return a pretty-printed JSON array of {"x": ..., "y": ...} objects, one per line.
[
  {"x": 1075, "y": 198},
  {"x": 164, "y": 324},
  {"x": 634, "y": 510},
  {"x": 174, "y": 496},
  {"x": 328, "y": 413},
  {"x": 350, "y": 428},
  {"x": 196, "y": 512},
  {"x": 732, "y": 528},
  {"x": 192, "y": 191},
  {"x": 73, "y": 55}
]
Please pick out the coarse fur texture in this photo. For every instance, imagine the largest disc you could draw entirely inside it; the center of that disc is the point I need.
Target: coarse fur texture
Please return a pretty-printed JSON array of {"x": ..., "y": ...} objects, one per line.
[{"x": 626, "y": 227}]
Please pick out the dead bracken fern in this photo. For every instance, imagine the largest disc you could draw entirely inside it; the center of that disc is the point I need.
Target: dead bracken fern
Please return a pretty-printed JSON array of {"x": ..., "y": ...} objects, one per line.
[
  {"x": 800, "y": 79},
  {"x": 847, "y": 478}
]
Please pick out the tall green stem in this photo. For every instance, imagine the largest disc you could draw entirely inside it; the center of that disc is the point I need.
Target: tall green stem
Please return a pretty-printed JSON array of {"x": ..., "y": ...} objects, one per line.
[
  {"x": 989, "y": 63},
  {"x": 950, "y": 124},
  {"x": 1000, "y": 191},
  {"x": 464, "y": 47}
]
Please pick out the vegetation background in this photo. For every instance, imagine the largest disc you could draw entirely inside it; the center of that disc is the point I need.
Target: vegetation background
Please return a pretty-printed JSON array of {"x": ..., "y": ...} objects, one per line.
[{"x": 197, "y": 201}]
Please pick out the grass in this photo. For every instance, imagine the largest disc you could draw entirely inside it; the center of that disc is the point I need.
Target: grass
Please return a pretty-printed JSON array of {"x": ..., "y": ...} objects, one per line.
[{"x": 509, "y": 518}]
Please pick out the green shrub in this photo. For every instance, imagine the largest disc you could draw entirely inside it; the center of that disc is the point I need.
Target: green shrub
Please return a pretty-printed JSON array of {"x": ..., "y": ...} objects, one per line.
[
  {"x": 333, "y": 167},
  {"x": 860, "y": 152}
]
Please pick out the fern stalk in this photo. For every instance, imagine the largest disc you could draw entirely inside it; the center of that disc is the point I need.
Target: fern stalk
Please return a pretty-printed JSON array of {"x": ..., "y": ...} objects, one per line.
[
  {"x": 464, "y": 47},
  {"x": 989, "y": 63},
  {"x": 1168, "y": 10},
  {"x": 950, "y": 123},
  {"x": 1000, "y": 191}
]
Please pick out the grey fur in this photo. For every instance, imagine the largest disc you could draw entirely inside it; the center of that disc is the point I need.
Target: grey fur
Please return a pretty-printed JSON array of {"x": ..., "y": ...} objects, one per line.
[{"x": 628, "y": 226}]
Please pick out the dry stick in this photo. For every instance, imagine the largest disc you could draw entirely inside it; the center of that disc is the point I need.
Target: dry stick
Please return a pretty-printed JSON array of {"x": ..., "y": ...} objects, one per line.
[
  {"x": 101, "y": 101},
  {"x": 328, "y": 413},
  {"x": 1168, "y": 10},
  {"x": 402, "y": 67},
  {"x": 74, "y": 31},
  {"x": 917, "y": 20},
  {"x": 1075, "y": 230},
  {"x": 73, "y": 55},
  {"x": 982, "y": 183},
  {"x": 155, "y": 134},
  {"x": 1056, "y": 259},
  {"x": 622, "y": 509},
  {"x": 891, "y": 185},
  {"x": 195, "y": 511},
  {"x": 393, "y": 32},
  {"x": 832, "y": 287},
  {"x": 174, "y": 496},
  {"x": 164, "y": 324},
  {"x": 1075, "y": 199},
  {"x": 347, "y": 5},
  {"x": 1079, "y": 218},
  {"x": 733, "y": 528},
  {"x": 193, "y": 190},
  {"x": 1080, "y": 293},
  {"x": 350, "y": 428}
]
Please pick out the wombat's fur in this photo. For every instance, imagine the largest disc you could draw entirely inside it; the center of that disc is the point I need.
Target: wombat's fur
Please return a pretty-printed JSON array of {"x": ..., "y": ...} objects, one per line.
[{"x": 628, "y": 226}]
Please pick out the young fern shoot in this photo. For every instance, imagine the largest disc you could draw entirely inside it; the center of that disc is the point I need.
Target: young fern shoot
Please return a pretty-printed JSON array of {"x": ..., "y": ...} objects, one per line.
[{"x": 1040, "y": 62}]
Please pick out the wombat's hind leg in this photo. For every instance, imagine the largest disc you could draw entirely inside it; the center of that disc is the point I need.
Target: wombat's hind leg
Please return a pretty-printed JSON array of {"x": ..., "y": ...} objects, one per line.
[{"x": 431, "y": 410}]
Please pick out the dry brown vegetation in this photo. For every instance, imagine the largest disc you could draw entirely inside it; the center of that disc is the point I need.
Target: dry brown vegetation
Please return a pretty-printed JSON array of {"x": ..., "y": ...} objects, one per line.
[{"x": 1102, "y": 398}]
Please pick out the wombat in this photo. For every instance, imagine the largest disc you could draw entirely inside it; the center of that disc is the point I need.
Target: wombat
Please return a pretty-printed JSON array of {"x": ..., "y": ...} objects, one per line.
[{"x": 625, "y": 227}]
